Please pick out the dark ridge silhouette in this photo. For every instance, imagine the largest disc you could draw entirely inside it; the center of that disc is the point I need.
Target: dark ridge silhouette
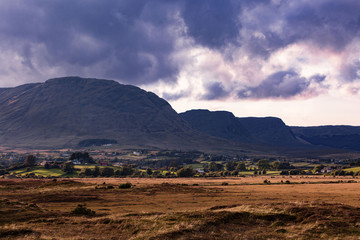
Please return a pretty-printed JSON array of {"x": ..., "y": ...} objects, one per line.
[
  {"x": 220, "y": 124},
  {"x": 269, "y": 131},
  {"x": 345, "y": 137}
]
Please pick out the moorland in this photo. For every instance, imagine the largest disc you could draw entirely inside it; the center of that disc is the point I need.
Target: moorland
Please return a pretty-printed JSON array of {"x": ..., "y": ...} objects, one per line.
[{"x": 283, "y": 207}]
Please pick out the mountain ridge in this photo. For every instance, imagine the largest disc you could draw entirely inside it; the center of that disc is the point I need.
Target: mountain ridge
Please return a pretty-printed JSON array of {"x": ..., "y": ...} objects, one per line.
[
  {"x": 270, "y": 131},
  {"x": 62, "y": 112}
]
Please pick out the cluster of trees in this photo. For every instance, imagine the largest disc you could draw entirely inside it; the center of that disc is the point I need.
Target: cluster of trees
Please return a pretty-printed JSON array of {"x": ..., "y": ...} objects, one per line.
[
  {"x": 83, "y": 157},
  {"x": 293, "y": 172},
  {"x": 124, "y": 171},
  {"x": 229, "y": 166},
  {"x": 341, "y": 172},
  {"x": 355, "y": 163},
  {"x": 185, "y": 172},
  {"x": 262, "y": 165},
  {"x": 30, "y": 161},
  {"x": 265, "y": 164}
]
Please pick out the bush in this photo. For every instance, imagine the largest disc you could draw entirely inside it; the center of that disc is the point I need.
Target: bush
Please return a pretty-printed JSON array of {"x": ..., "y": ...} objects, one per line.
[
  {"x": 107, "y": 172},
  {"x": 68, "y": 167},
  {"x": 3, "y": 172},
  {"x": 185, "y": 172},
  {"x": 87, "y": 172},
  {"x": 81, "y": 209},
  {"x": 125, "y": 185},
  {"x": 30, "y": 160}
]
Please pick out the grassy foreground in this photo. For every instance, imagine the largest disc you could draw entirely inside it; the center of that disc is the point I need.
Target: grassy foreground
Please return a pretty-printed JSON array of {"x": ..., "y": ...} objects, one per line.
[{"x": 246, "y": 208}]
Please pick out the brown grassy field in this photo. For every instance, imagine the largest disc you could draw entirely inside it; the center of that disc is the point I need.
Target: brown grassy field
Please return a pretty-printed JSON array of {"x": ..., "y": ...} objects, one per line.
[{"x": 194, "y": 208}]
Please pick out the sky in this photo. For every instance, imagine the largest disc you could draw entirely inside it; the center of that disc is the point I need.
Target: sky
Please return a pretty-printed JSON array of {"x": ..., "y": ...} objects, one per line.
[{"x": 297, "y": 60}]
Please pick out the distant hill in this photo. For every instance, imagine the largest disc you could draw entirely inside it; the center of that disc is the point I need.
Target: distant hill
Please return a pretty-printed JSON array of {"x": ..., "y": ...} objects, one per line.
[
  {"x": 64, "y": 112},
  {"x": 344, "y": 137},
  {"x": 269, "y": 130}
]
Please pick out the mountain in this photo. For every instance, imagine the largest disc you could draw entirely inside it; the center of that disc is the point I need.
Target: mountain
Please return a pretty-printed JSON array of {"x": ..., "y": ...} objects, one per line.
[
  {"x": 63, "y": 112},
  {"x": 79, "y": 112},
  {"x": 219, "y": 124},
  {"x": 265, "y": 131},
  {"x": 345, "y": 137}
]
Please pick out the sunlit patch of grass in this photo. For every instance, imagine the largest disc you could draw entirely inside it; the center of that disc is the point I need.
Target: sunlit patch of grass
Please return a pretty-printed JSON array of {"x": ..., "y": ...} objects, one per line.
[
  {"x": 353, "y": 169},
  {"x": 39, "y": 170}
]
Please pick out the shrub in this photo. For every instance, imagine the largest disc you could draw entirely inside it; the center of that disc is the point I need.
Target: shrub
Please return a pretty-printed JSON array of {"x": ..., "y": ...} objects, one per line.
[
  {"x": 81, "y": 209},
  {"x": 96, "y": 171},
  {"x": 185, "y": 172},
  {"x": 125, "y": 185},
  {"x": 30, "y": 160},
  {"x": 3, "y": 172},
  {"x": 47, "y": 165},
  {"x": 107, "y": 172},
  {"x": 87, "y": 172},
  {"x": 68, "y": 167}
]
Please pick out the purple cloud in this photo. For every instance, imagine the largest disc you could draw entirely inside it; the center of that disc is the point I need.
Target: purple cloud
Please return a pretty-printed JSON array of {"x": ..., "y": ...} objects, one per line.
[{"x": 283, "y": 84}]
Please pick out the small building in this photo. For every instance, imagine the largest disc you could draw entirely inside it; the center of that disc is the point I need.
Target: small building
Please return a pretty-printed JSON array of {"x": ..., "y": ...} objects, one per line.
[{"x": 43, "y": 163}]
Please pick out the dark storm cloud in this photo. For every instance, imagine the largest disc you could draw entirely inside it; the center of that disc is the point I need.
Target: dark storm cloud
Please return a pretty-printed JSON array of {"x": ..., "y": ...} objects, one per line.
[
  {"x": 215, "y": 91},
  {"x": 212, "y": 23},
  {"x": 327, "y": 24},
  {"x": 284, "y": 84},
  {"x": 136, "y": 41},
  {"x": 132, "y": 38}
]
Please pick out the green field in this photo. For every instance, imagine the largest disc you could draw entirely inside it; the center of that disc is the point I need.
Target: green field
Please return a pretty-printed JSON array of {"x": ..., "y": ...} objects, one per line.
[
  {"x": 54, "y": 172},
  {"x": 195, "y": 166},
  {"x": 93, "y": 166},
  {"x": 40, "y": 171},
  {"x": 303, "y": 164},
  {"x": 354, "y": 169}
]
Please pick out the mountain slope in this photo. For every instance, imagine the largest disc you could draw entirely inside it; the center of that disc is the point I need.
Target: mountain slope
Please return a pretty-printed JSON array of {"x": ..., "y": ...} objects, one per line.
[
  {"x": 64, "y": 111},
  {"x": 345, "y": 137},
  {"x": 220, "y": 124},
  {"x": 269, "y": 131}
]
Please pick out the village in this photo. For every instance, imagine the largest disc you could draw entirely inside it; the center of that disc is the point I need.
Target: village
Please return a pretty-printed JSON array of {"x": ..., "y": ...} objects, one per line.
[{"x": 155, "y": 163}]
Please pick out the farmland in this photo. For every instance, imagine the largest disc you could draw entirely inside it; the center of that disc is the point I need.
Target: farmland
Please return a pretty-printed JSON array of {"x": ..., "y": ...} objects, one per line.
[{"x": 301, "y": 207}]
